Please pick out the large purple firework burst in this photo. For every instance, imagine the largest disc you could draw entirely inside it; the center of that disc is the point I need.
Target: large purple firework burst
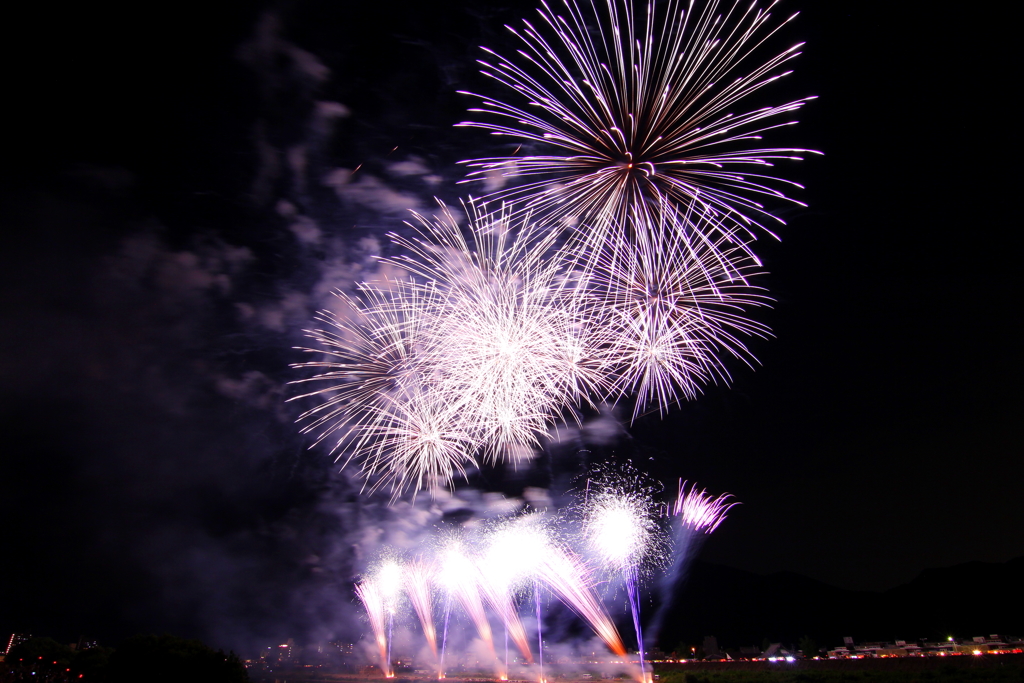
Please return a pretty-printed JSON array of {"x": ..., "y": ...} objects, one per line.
[{"x": 625, "y": 109}]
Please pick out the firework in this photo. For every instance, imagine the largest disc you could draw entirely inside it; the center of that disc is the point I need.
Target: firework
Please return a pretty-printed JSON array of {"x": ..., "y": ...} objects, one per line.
[
  {"x": 417, "y": 585},
  {"x": 514, "y": 351},
  {"x": 698, "y": 511},
  {"x": 498, "y": 334},
  {"x": 373, "y": 352},
  {"x": 671, "y": 307},
  {"x": 618, "y": 530},
  {"x": 415, "y": 444},
  {"x": 460, "y": 577},
  {"x": 515, "y": 549},
  {"x": 378, "y": 402},
  {"x": 698, "y": 514},
  {"x": 621, "y": 532},
  {"x": 619, "y": 527},
  {"x": 370, "y": 595},
  {"x": 635, "y": 108},
  {"x": 510, "y": 562},
  {"x": 567, "y": 576}
]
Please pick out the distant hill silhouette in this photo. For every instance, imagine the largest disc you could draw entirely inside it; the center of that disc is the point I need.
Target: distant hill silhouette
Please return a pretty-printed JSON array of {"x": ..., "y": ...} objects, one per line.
[{"x": 741, "y": 608}]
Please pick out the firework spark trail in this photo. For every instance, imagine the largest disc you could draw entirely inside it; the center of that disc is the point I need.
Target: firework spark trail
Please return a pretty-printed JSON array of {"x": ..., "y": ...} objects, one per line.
[
  {"x": 621, "y": 532},
  {"x": 696, "y": 514},
  {"x": 632, "y": 593},
  {"x": 459, "y": 576},
  {"x": 374, "y": 603},
  {"x": 512, "y": 552},
  {"x": 637, "y": 116},
  {"x": 540, "y": 633},
  {"x": 671, "y": 308},
  {"x": 388, "y": 578},
  {"x": 567, "y": 576},
  {"x": 444, "y": 637},
  {"x": 501, "y": 601},
  {"x": 418, "y": 578}
]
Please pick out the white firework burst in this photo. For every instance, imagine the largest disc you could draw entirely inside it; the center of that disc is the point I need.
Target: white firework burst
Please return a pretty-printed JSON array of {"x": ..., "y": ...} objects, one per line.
[
  {"x": 513, "y": 351},
  {"x": 373, "y": 353},
  {"x": 672, "y": 307},
  {"x": 619, "y": 516},
  {"x": 376, "y": 374}
]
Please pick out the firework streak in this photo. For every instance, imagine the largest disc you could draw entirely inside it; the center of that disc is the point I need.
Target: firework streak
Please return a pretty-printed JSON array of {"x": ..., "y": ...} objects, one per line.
[
  {"x": 417, "y": 584},
  {"x": 695, "y": 514},
  {"x": 373, "y": 602},
  {"x": 567, "y": 576}
]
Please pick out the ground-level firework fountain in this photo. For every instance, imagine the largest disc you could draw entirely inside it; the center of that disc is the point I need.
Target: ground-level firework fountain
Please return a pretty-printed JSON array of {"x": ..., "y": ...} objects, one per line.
[{"x": 497, "y": 579}]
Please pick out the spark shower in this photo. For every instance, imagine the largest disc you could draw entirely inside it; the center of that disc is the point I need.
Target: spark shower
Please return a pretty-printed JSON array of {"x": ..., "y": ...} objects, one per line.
[
  {"x": 611, "y": 539},
  {"x": 614, "y": 264}
]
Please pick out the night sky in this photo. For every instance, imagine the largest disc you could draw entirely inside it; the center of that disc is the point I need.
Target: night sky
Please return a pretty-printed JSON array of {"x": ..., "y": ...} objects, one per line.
[{"x": 173, "y": 217}]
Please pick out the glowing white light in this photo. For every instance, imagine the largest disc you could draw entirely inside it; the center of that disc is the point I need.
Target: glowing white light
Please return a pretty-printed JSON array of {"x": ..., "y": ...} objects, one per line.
[
  {"x": 617, "y": 530},
  {"x": 389, "y": 581}
]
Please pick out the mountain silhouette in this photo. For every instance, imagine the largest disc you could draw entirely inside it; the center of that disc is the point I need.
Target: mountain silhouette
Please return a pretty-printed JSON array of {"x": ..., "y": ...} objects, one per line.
[{"x": 741, "y": 608}]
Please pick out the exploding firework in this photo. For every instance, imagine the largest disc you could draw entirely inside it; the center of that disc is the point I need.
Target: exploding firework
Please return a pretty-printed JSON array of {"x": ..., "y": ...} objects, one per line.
[
  {"x": 502, "y": 329},
  {"x": 635, "y": 108},
  {"x": 618, "y": 530},
  {"x": 696, "y": 514},
  {"x": 619, "y": 519},
  {"x": 498, "y": 335},
  {"x": 621, "y": 531},
  {"x": 671, "y": 308},
  {"x": 479, "y": 353},
  {"x": 374, "y": 377},
  {"x": 698, "y": 511},
  {"x": 374, "y": 352},
  {"x": 514, "y": 350}
]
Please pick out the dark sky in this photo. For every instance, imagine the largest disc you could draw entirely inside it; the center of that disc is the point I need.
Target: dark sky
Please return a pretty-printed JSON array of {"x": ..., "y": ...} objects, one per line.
[{"x": 172, "y": 218}]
